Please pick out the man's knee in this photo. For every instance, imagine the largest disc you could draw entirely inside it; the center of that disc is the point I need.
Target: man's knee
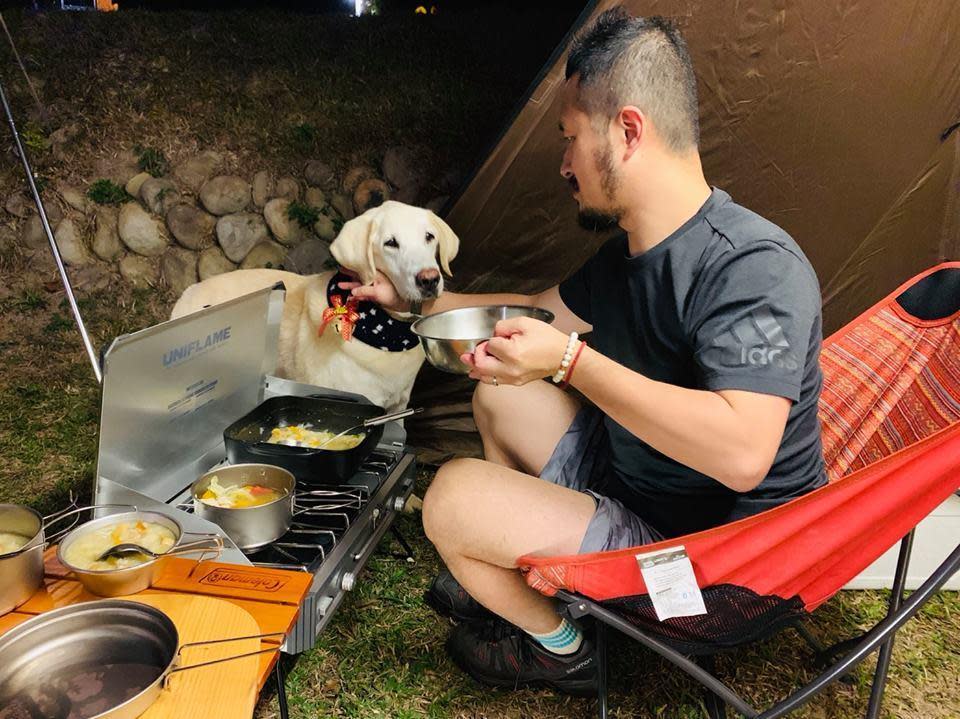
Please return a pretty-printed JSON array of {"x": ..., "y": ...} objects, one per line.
[
  {"x": 443, "y": 500},
  {"x": 484, "y": 403}
]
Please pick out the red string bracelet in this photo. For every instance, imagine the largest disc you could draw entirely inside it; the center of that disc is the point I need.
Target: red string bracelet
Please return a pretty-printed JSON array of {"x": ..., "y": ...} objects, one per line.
[{"x": 573, "y": 363}]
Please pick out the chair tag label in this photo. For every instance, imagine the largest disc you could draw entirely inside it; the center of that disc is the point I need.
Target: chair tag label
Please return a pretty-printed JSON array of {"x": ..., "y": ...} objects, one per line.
[{"x": 671, "y": 583}]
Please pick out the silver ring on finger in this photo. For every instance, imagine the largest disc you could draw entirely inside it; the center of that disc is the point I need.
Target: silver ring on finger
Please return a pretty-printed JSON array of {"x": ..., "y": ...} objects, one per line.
[{"x": 496, "y": 382}]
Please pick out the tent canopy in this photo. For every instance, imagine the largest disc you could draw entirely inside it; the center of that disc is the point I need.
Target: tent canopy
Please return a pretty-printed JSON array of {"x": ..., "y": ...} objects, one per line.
[{"x": 837, "y": 121}]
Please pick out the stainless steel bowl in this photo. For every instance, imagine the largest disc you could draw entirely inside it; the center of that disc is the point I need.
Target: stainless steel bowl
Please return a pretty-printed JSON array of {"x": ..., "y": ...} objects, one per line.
[
  {"x": 249, "y": 527},
  {"x": 447, "y": 335},
  {"x": 21, "y": 572},
  {"x": 104, "y": 660},
  {"x": 129, "y": 580}
]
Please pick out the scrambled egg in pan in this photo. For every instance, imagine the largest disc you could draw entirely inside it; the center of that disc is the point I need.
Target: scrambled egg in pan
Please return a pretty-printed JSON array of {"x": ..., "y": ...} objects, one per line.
[{"x": 299, "y": 436}]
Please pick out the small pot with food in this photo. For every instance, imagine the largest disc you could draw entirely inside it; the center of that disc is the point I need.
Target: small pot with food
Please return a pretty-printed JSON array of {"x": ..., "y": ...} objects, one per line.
[
  {"x": 123, "y": 553},
  {"x": 21, "y": 555},
  {"x": 23, "y": 540},
  {"x": 252, "y": 503}
]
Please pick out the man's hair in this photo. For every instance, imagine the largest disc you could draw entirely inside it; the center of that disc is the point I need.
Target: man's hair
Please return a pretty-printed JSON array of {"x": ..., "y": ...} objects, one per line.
[{"x": 624, "y": 60}]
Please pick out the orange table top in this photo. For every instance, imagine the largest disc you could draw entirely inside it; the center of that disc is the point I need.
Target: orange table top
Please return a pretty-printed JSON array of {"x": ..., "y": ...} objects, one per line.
[{"x": 271, "y": 596}]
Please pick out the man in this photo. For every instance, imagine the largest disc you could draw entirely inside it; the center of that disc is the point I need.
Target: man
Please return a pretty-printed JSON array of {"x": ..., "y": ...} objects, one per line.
[{"x": 702, "y": 369}]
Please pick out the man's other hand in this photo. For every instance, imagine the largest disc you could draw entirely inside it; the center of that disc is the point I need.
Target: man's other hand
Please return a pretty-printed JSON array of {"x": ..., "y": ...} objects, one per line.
[{"x": 522, "y": 350}]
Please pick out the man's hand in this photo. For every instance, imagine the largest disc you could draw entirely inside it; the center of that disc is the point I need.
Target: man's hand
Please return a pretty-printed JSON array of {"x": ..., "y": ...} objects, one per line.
[
  {"x": 522, "y": 350},
  {"x": 381, "y": 291}
]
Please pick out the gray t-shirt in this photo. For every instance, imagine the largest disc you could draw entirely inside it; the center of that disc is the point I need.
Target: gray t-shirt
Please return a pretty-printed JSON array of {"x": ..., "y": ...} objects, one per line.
[{"x": 728, "y": 301}]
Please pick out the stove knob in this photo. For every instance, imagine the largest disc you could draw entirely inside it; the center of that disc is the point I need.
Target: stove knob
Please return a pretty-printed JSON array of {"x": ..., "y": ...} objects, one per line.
[
  {"x": 347, "y": 581},
  {"x": 399, "y": 503}
]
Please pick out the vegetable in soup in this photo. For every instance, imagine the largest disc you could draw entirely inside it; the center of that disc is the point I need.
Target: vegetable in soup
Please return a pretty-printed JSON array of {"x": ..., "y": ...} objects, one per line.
[{"x": 235, "y": 496}]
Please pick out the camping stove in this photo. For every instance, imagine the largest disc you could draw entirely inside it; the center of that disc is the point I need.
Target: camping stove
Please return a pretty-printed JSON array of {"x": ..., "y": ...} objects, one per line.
[
  {"x": 335, "y": 530},
  {"x": 169, "y": 391}
]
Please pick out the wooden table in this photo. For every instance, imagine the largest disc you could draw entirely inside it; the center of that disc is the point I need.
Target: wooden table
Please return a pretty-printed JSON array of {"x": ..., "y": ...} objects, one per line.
[{"x": 271, "y": 596}]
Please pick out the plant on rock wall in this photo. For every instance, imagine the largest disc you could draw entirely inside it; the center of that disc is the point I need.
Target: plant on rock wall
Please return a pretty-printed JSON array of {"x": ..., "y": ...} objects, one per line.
[
  {"x": 304, "y": 215},
  {"x": 152, "y": 161},
  {"x": 33, "y": 137},
  {"x": 304, "y": 136},
  {"x": 107, "y": 192}
]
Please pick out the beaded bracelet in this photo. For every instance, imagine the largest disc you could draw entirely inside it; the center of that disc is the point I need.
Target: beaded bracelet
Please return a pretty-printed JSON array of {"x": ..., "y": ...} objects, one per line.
[
  {"x": 567, "y": 357},
  {"x": 573, "y": 363}
]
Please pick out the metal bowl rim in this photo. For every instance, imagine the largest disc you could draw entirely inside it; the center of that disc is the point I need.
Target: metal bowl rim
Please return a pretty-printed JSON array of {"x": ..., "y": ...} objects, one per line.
[
  {"x": 106, "y": 605},
  {"x": 533, "y": 310},
  {"x": 287, "y": 496},
  {"x": 31, "y": 543},
  {"x": 108, "y": 572}
]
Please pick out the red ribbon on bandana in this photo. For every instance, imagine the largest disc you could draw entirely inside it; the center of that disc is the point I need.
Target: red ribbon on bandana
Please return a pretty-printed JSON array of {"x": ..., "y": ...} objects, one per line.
[{"x": 344, "y": 315}]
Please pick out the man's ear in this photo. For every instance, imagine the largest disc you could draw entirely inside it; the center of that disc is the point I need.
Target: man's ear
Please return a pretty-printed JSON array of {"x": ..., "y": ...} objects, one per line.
[
  {"x": 631, "y": 123},
  {"x": 448, "y": 242},
  {"x": 353, "y": 247}
]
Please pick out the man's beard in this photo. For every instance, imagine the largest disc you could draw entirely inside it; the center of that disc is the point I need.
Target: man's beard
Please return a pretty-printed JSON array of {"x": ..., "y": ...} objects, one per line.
[{"x": 597, "y": 219}]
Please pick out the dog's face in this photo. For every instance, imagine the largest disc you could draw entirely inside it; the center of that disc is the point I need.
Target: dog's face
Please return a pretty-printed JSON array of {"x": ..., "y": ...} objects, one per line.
[{"x": 401, "y": 241}]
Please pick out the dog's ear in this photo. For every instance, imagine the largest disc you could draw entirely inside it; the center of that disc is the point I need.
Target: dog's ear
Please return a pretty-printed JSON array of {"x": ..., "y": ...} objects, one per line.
[
  {"x": 353, "y": 247},
  {"x": 448, "y": 241}
]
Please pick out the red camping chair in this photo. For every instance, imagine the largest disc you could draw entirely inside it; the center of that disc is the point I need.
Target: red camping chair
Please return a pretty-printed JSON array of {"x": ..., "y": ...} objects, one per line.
[{"x": 890, "y": 414}]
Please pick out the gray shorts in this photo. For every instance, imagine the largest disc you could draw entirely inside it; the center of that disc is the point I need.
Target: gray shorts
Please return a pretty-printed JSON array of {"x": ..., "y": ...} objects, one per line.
[{"x": 581, "y": 461}]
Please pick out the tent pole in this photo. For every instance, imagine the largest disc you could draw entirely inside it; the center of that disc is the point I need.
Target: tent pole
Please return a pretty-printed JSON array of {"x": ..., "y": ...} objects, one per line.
[{"x": 53, "y": 243}]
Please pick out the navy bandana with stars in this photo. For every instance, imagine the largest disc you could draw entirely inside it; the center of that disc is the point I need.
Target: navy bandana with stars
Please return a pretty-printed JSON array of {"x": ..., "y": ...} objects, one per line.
[{"x": 375, "y": 326}]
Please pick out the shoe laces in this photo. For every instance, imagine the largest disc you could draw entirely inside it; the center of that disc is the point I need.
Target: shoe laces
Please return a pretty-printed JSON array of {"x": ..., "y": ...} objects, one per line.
[{"x": 497, "y": 629}]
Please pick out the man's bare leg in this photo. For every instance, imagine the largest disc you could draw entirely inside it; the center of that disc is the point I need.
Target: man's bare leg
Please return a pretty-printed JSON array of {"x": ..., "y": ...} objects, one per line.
[
  {"x": 520, "y": 426},
  {"x": 482, "y": 517}
]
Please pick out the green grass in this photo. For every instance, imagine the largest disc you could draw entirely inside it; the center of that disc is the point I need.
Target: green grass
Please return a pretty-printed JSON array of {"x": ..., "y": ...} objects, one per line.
[
  {"x": 107, "y": 192},
  {"x": 151, "y": 161}
]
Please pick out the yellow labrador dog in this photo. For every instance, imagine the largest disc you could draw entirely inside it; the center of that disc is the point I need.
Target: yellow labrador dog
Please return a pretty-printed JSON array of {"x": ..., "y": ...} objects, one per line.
[{"x": 329, "y": 339}]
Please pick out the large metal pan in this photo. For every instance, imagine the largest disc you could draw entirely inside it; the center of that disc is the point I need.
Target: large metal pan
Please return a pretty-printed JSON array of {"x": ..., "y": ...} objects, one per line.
[
  {"x": 106, "y": 659},
  {"x": 246, "y": 439}
]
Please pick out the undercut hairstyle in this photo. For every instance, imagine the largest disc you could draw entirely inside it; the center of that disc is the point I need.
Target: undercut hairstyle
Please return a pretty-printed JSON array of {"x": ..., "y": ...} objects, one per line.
[{"x": 643, "y": 61}]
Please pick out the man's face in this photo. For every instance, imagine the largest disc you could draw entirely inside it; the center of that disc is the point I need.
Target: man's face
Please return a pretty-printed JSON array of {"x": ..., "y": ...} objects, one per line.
[{"x": 588, "y": 165}]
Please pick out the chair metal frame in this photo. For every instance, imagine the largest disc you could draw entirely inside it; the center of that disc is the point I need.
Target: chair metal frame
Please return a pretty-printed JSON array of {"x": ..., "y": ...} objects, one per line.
[{"x": 852, "y": 651}]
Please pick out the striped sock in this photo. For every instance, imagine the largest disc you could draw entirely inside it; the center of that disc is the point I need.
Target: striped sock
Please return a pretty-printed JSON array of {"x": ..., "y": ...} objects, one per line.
[{"x": 565, "y": 639}]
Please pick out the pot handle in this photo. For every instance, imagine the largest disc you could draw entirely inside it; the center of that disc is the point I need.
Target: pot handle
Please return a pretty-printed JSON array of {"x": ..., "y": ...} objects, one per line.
[
  {"x": 52, "y": 519},
  {"x": 280, "y": 635},
  {"x": 208, "y": 538}
]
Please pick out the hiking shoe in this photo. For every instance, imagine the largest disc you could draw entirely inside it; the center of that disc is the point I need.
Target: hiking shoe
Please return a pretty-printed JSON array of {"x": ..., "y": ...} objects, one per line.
[
  {"x": 498, "y": 654},
  {"x": 449, "y": 599}
]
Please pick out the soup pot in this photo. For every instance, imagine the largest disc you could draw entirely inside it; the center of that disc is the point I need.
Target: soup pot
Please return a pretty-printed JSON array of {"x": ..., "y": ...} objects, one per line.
[{"x": 249, "y": 527}]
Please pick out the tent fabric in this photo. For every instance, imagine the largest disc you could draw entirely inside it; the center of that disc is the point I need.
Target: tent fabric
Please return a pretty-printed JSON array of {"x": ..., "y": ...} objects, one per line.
[
  {"x": 890, "y": 412},
  {"x": 831, "y": 119}
]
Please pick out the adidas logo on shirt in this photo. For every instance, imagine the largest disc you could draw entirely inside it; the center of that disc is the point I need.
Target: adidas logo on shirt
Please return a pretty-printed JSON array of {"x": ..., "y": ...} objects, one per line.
[{"x": 756, "y": 340}]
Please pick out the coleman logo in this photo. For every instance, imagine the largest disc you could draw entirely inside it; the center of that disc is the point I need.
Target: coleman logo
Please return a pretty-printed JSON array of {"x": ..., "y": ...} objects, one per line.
[
  {"x": 757, "y": 340},
  {"x": 242, "y": 579}
]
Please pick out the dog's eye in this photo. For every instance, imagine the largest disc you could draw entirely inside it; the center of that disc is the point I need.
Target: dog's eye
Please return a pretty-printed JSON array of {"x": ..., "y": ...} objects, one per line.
[
  {"x": 430, "y": 237},
  {"x": 392, "y": 242}
]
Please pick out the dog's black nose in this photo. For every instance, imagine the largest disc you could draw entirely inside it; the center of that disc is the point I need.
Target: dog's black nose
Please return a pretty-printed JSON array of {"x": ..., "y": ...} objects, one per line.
[{"x": 427, "y": 282}]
